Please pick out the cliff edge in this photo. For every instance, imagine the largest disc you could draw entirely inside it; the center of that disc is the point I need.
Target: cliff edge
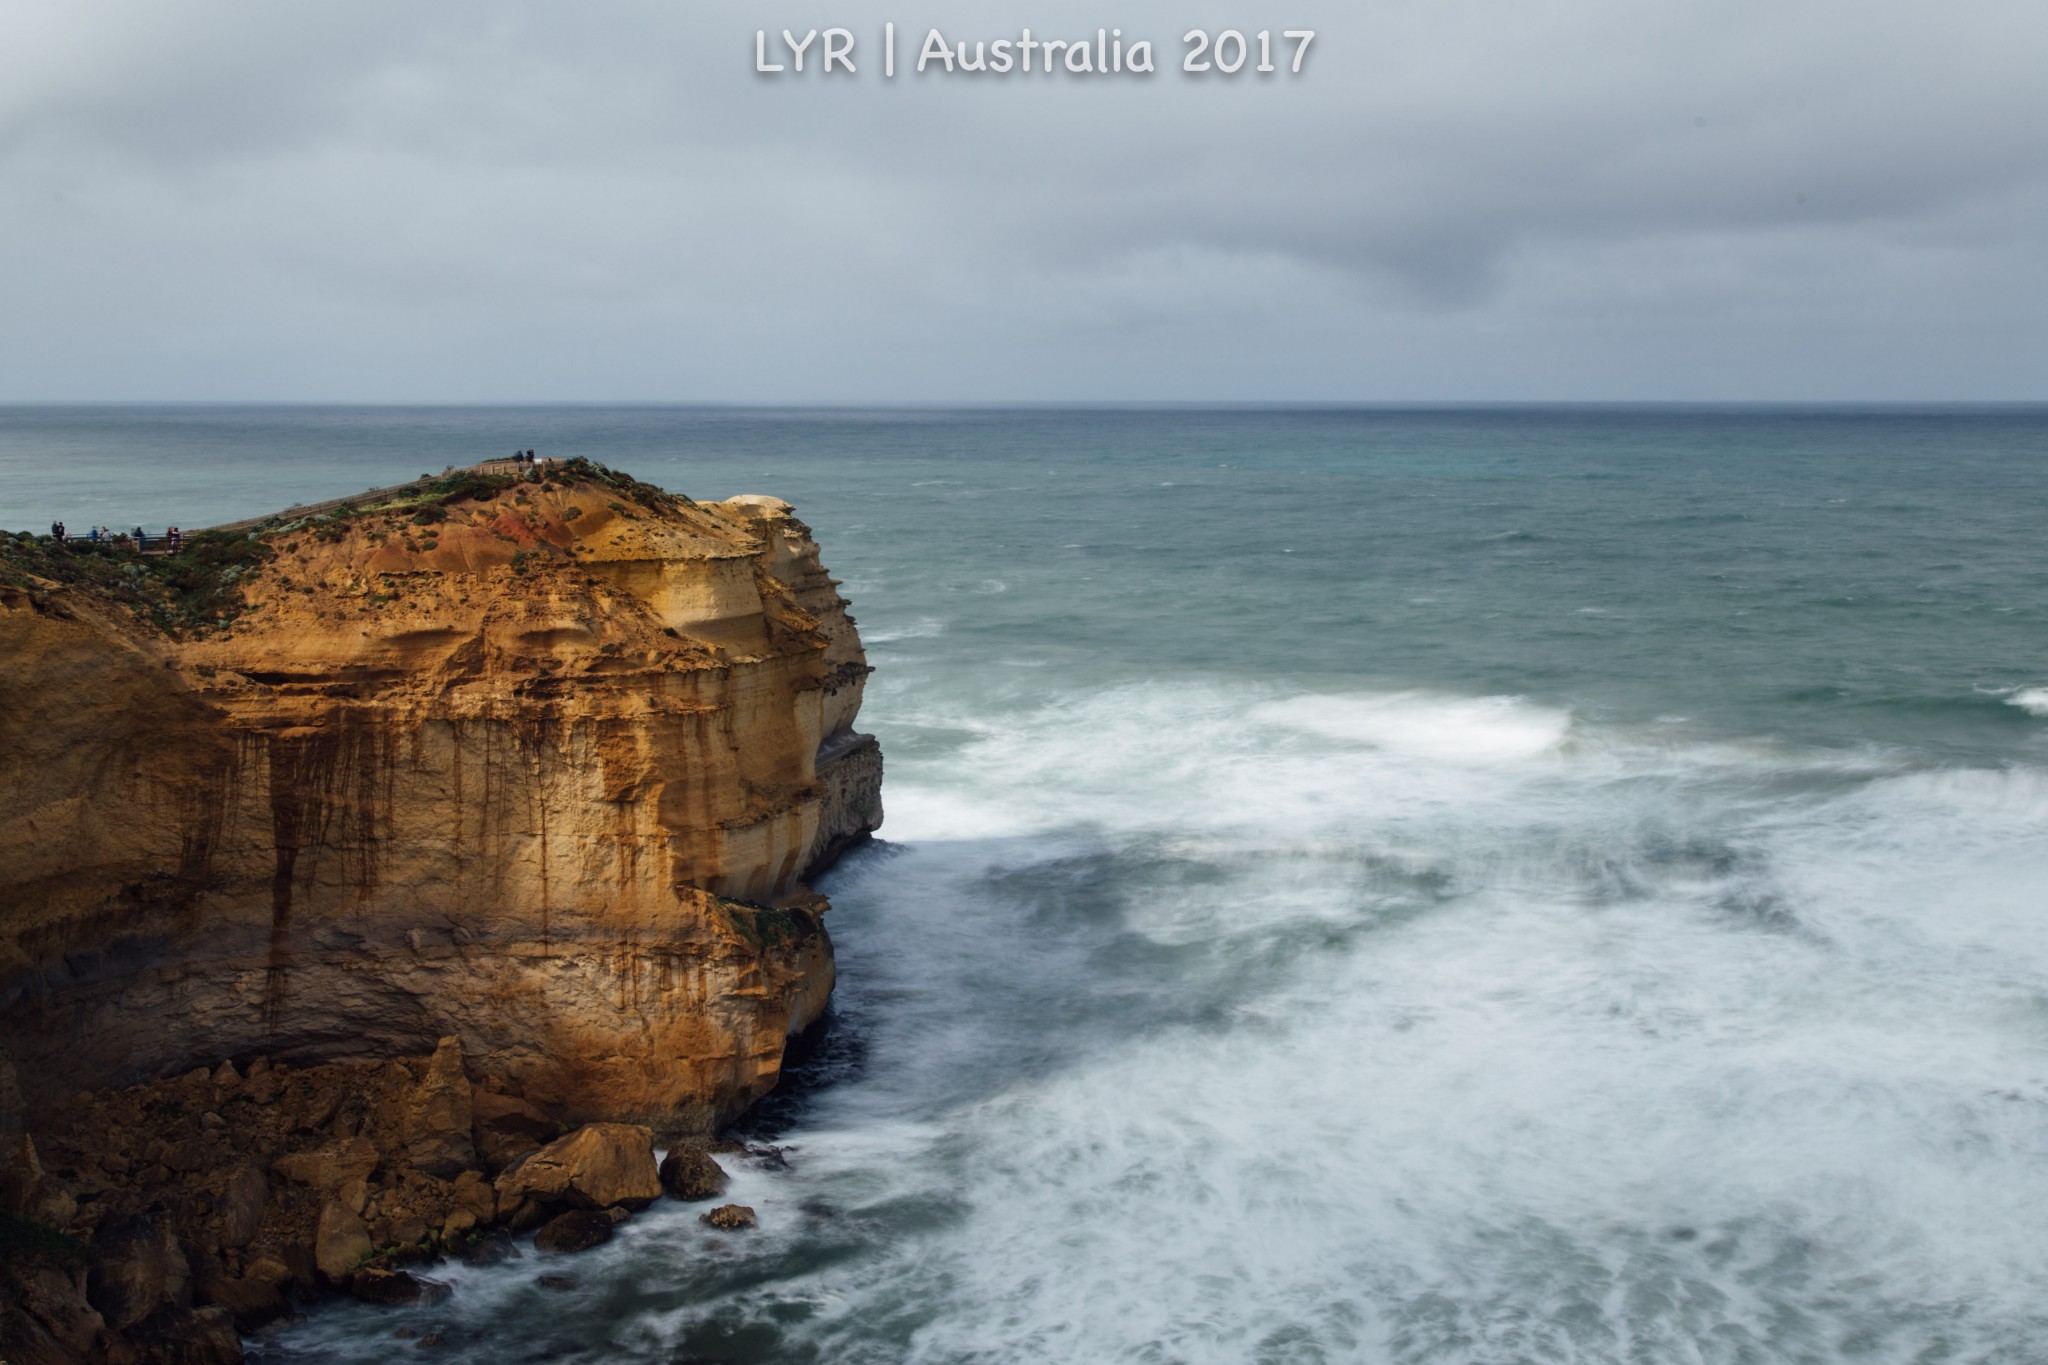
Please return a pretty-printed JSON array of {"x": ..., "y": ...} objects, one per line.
[{"x": 540, "y": 762}]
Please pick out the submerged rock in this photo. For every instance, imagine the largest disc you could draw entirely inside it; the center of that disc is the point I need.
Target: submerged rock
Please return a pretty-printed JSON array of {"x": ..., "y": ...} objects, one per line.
[
  {"x": 689, "y": 1174},
  {"x": 375, "y": 1285},
  {"x": 730, "y": 1217},
  {"x": 576, "y": 1230},
  {"x": 495, "y": 1249}
]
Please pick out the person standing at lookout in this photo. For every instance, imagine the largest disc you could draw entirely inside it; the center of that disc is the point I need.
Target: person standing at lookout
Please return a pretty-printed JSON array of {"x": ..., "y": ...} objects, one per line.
[{"x": 57, "y": 531}]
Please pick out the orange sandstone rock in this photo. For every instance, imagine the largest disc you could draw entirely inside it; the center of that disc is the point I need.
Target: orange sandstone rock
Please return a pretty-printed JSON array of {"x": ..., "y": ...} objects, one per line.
[
  {"x": 541, "y": 769},
  {"x": 596, "y": 1167}
]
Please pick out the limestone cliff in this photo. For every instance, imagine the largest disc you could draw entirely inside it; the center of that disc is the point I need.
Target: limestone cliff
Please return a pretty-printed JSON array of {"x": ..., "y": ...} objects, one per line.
[{"x": 540, "y": 763}]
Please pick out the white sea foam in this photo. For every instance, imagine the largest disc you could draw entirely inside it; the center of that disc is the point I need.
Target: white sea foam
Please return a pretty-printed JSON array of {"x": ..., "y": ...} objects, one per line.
[
  {"x": 923, "y": 628},
  {"x": 1486, "y": 1036},
  {"x": 1210, "y": 1022},
  {"x": 1455, "y": 729},
  {"x": 2032, "y": 700}
]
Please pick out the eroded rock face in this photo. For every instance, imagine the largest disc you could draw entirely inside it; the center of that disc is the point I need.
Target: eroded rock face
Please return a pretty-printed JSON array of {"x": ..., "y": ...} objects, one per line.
[
  {"x": 541, "y": 769},
  {"x": 599, "y": 1166},
  {"x": 50, "y": 1318},
  {"x": 341, "y": 1242},
  {"x": 138, "y": 1268},
  {"x": 241, "y": 1206},
  {"x": 505, "y": 1126},
  {"x": 439, "y": 1120},
  {"x": 186, "y": 1336}
]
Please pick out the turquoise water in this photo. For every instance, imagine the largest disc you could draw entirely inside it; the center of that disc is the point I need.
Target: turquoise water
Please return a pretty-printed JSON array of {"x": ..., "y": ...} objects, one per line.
[{"x": 1490, "y": 885}]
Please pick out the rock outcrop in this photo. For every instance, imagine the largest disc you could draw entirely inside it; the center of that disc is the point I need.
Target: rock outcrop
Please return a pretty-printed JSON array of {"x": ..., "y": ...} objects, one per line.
[
  {"x": 691, "y": 1175},
  {"x": 576, "y": 1230},
  {"x": 462, "y": 826},
  {"x": 538, "y": 764},
  {"x": 729, "y": 1217},
  {"x": 172, "y": 1213},
  {"x": 599, "y": 1166}
]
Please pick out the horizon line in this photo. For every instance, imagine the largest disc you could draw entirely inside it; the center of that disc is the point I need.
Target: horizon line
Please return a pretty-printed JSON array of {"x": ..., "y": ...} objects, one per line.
[{"x": 1043, "y": 404}]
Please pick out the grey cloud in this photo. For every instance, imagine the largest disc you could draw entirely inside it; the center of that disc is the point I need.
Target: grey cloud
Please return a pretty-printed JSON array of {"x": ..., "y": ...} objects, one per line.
[{"x": 1462, "y": 198}]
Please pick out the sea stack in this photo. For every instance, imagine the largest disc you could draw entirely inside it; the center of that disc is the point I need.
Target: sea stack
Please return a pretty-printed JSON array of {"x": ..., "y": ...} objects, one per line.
[{"x": 540, "y": 760}]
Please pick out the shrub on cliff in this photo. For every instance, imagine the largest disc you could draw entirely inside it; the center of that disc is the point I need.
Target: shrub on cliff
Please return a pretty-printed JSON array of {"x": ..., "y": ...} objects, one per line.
[
  {"x": 646, "y": 494},
  {"x": 465, "y": 483},
  {"x": 195, "y": 589},
  {"x": 201, "y": 579}
]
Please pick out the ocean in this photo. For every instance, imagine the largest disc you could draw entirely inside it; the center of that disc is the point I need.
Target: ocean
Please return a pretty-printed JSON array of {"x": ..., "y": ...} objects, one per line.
[{"x": 1485, "y": 885}]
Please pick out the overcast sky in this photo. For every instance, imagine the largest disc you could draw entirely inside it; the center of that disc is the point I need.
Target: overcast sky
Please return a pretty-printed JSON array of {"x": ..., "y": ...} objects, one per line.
[{"x": 1457, "y": 199}]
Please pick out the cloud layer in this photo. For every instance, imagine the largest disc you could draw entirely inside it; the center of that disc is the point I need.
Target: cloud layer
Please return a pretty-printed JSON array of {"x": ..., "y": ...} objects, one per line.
[{"x": 1457, "y": 200}]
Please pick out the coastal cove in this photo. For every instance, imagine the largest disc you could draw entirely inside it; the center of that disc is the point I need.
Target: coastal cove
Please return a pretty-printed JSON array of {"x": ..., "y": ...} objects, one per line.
[{"x": 1375, "y": 885}]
